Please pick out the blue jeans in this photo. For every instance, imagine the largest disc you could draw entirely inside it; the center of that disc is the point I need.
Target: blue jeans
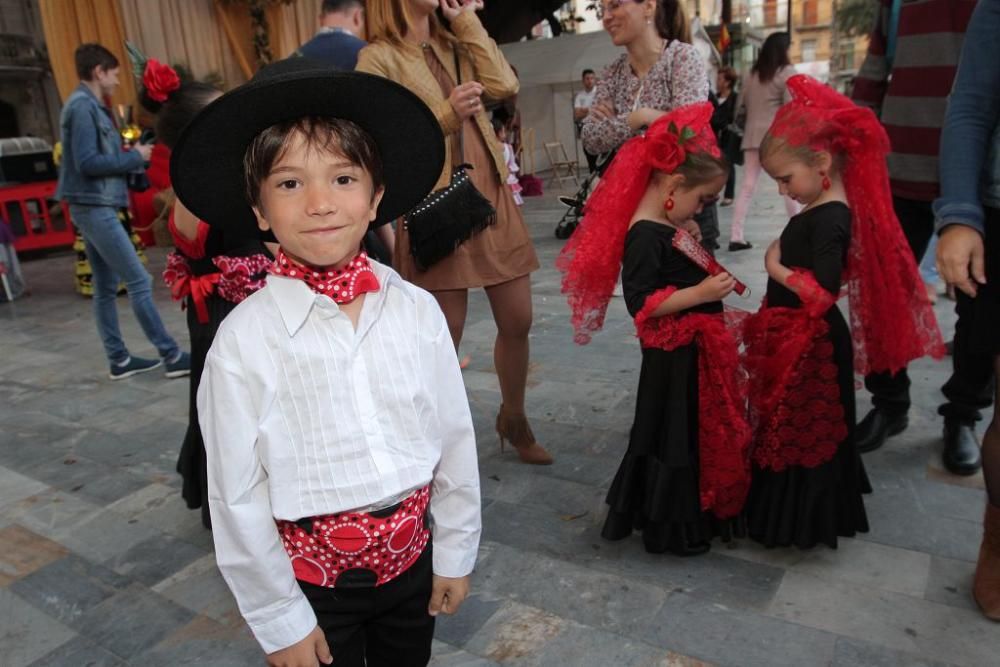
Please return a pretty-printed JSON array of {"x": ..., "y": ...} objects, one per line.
[{"x": 112, "y": 258}]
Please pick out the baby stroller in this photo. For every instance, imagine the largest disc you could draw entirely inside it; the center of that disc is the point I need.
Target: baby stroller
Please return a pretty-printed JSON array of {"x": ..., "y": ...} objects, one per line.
[{"x": 574, "y": 212}]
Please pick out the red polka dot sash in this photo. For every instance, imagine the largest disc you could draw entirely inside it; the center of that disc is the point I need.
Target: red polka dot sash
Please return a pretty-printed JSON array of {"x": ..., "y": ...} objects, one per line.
[
  {"x": 341, "y": 285},
  {"x": 322, "y": 548}
]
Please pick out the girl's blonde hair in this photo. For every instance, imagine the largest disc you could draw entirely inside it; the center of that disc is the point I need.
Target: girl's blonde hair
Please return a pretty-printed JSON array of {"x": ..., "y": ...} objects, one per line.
[
  {"x": 773, "y": 145},
  {"x": 388, "y": 20}
]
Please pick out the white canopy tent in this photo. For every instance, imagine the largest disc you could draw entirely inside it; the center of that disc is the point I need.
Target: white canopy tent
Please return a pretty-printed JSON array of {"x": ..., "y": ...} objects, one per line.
[{"x": 549, "y": 71}]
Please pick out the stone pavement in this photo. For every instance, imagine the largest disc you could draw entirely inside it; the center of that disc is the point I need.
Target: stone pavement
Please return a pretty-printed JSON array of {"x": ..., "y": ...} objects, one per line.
[{"x": 102, "y": 564}]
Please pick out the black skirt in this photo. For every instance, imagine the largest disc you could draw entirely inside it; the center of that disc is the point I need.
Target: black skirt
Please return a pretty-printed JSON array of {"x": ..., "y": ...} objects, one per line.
[
  {"x": 191, "y": 463},
  {"x": 803, "y": 506},
  {"x": 656, "y": 488}
]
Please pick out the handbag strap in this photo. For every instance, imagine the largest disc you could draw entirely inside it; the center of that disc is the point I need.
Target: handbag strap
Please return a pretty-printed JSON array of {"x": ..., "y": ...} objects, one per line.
[{"x": 461, "y": 128}]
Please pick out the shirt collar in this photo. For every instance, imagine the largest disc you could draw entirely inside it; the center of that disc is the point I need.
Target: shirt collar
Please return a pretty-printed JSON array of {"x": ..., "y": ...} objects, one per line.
[
  {"x": 295, "y": 300},
  {"x": 326, "y": 30}
]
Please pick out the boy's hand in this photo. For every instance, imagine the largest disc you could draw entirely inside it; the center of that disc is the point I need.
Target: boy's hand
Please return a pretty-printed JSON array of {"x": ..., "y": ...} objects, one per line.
[
  {"x": 716, "y": 288},
  {"x": 447, "y": 594},
  {"x": 310, "y": 652}
]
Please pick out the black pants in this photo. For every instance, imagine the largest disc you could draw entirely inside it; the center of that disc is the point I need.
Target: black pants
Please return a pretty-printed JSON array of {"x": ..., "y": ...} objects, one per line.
[
  {"x": 708, "y": 223},
  {"x": 384, "y": 626},
  {"x": 730, "y": 190},
  {"x": 970, "y": 388},
  {"x": 591, "y": 161}
]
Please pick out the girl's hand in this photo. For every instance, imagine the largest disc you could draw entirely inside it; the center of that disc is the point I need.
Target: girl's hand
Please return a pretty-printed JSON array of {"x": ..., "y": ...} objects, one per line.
[
  {"x": 716, "y": 288},
  {"x": 452, "y": 8},
  {"x": 465, "y": 99},
  {"x": 692, "y": 228},
  {"x": 447, "y": 594},
  {"x": 310, "y": 652}
]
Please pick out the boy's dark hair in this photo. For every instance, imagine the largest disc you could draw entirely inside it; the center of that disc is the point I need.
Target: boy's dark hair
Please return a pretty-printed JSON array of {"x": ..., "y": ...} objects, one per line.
[
  {"x": 333, "y": 6},
  {"x": 730, "y": 75},
  {"x": 331, "y": 135},
  {"x": 89, "y": 56},
  {"x": 182, "y": 105},
  {"x": 773, "y": 56},
  {"x": 586, "y": 72}
]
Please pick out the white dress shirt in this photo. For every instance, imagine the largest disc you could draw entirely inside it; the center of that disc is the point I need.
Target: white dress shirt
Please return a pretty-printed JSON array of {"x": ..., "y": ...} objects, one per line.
[{"x": 302, "y": 415}]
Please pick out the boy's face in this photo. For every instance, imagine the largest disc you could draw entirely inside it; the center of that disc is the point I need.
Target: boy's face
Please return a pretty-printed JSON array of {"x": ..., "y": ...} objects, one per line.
[
  {"x": 107, "y": 79},
  {"x": 318, "y": 204}
]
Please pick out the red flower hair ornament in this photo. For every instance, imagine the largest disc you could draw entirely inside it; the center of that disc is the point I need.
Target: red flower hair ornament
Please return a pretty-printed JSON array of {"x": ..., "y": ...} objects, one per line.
[
  {"x": 159, "y": 80},
  {"x": 591, "y": 260}
]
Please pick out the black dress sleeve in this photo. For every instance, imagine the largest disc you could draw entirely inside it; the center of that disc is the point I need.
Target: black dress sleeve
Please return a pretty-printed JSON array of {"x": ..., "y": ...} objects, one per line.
[
  {"x": 641, "y": 266},
  {"x": 829, "y": 239}
]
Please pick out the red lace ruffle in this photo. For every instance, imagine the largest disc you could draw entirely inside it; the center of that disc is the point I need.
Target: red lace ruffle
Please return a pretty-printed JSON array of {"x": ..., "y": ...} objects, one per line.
[
  {"x": 723, "y": 431},
  {"x": 794, "y": 398},
  {"x": 238, "y": 278}
]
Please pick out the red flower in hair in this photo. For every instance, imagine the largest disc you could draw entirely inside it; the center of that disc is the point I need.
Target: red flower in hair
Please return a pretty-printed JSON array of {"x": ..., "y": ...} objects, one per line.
[
  {"x": 159, "y": 80},
  {"x": 675, "y": 134}
]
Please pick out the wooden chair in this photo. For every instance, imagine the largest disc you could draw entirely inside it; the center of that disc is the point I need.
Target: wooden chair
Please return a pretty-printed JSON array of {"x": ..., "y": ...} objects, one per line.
[{"x": 563, "y": 169}]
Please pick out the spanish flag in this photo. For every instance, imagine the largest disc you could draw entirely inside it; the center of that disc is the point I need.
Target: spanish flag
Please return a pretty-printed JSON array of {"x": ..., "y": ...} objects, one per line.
[{"x": 724, "y": 39}]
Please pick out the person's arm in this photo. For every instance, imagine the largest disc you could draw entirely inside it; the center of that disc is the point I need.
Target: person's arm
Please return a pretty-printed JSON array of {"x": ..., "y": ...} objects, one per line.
[
  {"x": 489, "y": 64},
  {"x": 605, "y": 131},
  {"x": 872, "y": 81},
  {"x": 689, "y": 80},
  {"x": 248, "y": 548},
  {"x": 455, "y": 503},
  {"x": 370, "y": 61},
  {"x": 969, "y": 126},
  {"x": 972, "y": 116},
  {"x": 85, "y": 144}
]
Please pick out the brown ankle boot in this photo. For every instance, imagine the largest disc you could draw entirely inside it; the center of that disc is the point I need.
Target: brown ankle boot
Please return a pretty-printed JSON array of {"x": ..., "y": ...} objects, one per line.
[
  {"x": 515, "y": 428},
  {"x": 986, "y": 585}
]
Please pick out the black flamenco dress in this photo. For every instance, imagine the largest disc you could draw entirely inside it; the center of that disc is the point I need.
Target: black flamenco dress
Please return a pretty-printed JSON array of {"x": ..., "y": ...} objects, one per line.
[
  {"x": 808, "y": 478},
  {"x": 212, "y": 275},
  {"x": 659, "y": 489}
]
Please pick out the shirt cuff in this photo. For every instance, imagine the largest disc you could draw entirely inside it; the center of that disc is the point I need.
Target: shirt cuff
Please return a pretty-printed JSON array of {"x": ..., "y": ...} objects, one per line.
[
  {"x": 958, "y": 213},
  {"x": 454, "y": 563},
  {"x": 290, "y": 627}
]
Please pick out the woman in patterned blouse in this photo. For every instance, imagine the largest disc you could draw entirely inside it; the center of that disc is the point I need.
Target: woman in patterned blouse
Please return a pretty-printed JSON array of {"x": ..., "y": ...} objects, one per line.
[{"x": 659, "y": 71}]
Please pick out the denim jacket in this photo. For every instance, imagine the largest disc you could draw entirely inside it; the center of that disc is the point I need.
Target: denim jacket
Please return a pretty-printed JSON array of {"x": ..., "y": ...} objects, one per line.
[
  {"x": 93, "y": 163},
  {"x": 970, "y": 141}
]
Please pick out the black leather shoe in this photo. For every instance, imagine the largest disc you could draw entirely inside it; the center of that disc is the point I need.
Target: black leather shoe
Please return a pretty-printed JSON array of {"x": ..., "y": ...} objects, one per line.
[
  {"x": 961, "y": 449},
  {"x": 876, "y": 427},
  {"x": 736, "y": 246}
]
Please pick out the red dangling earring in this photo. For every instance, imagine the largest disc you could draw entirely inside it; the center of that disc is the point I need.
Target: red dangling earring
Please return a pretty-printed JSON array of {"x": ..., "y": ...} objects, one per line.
[
  {"x": 826, "y": 182},
  {"x": 669, "y": 204}
]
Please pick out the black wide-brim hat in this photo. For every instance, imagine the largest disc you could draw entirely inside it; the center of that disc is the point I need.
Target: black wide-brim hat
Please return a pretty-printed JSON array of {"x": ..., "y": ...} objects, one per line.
[{"x": 206, "y": 165}]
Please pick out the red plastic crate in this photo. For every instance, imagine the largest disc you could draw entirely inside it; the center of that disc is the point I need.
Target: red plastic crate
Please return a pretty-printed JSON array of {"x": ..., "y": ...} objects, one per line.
[{"x": 37, "y": 220}]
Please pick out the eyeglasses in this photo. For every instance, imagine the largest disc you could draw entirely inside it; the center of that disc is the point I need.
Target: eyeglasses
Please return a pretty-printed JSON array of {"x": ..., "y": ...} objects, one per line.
[{"x": 605, "y": 8}]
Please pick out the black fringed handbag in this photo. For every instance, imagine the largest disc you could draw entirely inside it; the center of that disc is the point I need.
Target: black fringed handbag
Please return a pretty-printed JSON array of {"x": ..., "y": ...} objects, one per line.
[{"x": 450, "y": 216}]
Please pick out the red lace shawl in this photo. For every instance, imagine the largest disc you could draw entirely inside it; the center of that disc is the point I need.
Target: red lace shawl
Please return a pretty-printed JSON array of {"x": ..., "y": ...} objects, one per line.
[{"x": 795, "y": 408}]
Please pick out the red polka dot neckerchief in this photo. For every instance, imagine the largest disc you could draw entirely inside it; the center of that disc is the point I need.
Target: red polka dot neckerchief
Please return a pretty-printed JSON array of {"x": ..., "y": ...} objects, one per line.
[{"x": 341, "y": 285}]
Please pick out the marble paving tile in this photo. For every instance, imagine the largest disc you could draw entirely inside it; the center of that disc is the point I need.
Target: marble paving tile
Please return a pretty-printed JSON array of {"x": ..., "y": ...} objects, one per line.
[
  {"x": 855, "y": 653},
  {"x": 67, "y": 588},
  {"x": 891, "y": 620},
  {"x": 154, "y": 559},
  {"x": 15, "y": 487},
  {"x": 23, "y": 552},
  {"x": 950, "y": 583},
  {"x": 79, "y": 652},
  {"x": 26, "y": 633},
  {"x": 132, "y": 621}
]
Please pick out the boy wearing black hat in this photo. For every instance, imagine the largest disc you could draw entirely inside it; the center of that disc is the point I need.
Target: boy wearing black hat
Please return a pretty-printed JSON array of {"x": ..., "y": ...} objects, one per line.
[{"x": 336, "y": 424}]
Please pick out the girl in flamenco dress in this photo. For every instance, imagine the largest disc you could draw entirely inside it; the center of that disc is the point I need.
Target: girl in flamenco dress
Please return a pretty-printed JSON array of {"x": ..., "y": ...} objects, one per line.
[
  {"x": 685, "y": 474},
  {"x": 808, "y": 479}
]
